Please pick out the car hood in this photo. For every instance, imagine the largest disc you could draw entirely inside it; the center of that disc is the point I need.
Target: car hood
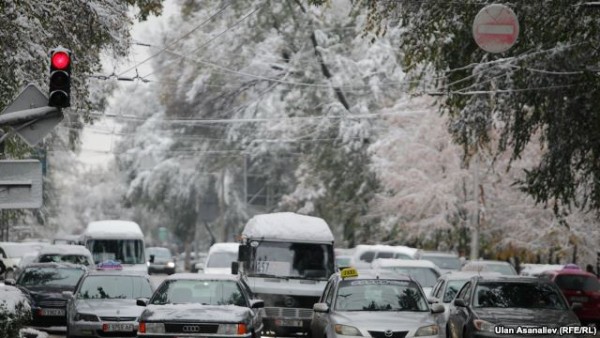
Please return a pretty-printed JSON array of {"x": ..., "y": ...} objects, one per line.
[
  {"x": 387, "y": 320},
  {"x": 109, "y": 307},
  {"x": 516, "y": 316},
  {"x": 197, "y": 313}
]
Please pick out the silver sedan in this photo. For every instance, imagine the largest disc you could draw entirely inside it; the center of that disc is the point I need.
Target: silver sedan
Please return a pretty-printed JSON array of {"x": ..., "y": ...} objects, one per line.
[
  {"x": 104, "y": 304},
  {"x": 369, "y": 306}
]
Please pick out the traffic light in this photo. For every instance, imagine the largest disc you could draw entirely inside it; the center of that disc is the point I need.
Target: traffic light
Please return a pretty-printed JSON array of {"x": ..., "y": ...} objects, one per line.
[{"x": 60, "y": 78}]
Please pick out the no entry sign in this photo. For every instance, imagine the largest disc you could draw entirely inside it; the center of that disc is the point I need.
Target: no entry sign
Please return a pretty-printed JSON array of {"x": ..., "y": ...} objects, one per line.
[{"x": 495, "y": 28}]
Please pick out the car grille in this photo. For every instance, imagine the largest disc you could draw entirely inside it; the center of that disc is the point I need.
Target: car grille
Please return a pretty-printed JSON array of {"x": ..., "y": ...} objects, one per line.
[
  {"x": 52, "y": 303},
  {"x": 118, "y": 319},
  {"x": 279, "y": 312},
  {"x": 191, "y": 328},
  {"x": 381, "y": 334}
]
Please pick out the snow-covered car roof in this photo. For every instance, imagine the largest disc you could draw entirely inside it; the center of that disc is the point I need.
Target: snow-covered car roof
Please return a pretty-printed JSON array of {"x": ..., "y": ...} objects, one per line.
[
  {"x": 536, "y": 269},
  {"x": 462, "y": 275},
  {"x": 224, "y": 247},
  {"x": 439, "y": 254},
  {"x": 114, "y": 229},
  {"x": 288, "y": 226},
  {"x": 65, "y": 249},
  {"x": 392, "y": 263}
]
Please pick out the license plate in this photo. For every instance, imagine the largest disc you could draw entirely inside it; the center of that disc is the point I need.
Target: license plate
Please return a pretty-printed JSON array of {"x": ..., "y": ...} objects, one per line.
[
  {"x": 579, "y": 299},
  {"x": 53, "y": 312},
  {"x": 117, "y": 327},
  {"x": 288, "y": 322}
]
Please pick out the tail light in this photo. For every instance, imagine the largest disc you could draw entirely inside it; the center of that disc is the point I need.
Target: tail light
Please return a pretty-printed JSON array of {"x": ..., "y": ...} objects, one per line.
[
  {"x": 142, "y": 327},
  {"x": 241, "y": 329}
]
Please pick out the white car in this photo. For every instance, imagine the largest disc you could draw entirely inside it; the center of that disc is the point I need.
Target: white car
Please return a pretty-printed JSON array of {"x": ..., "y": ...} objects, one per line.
[
  {"x": 490, "y": 266},
  {"x": 364, "y": 254},
  {"x": 219, "y": 259},
  {"x": 424, "y": 272},
  {"x": 76, "y": 254},
  {"x": 12, "y": 252}
]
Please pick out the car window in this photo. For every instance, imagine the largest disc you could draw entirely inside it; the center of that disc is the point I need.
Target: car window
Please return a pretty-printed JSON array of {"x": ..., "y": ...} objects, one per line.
[
  {"x": 221, "y": 259},
  {"x": 464, "y": 290},
  {"x": 380, "y": 295},
  {"x": 114, "y": 287},
  {"x": 402, "y": 256},
  {"x": 577, "y": 282},
  {"x": 52, "y": 277},
  {"x": 326, "y": 291},
  {"x": 70, "y": 258},
  {"x": 452, "y": 289},
  {"x": 367, "y": 256},
  {"x": 207, "y": 292},
  {"x": 505, "y": 269},
  {"x": 518, "y": 295},
  {"x": 330, "y": 292},
  {"x": 425, "y": 276},
  {"x": 437, "y": 287},
  {"x": 385, "y": 254}
]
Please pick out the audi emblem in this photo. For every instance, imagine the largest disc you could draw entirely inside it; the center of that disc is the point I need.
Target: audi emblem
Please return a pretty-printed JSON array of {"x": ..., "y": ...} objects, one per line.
[
  {"x": 190, "y": 328},
  {"x": 388, "y": 333}
]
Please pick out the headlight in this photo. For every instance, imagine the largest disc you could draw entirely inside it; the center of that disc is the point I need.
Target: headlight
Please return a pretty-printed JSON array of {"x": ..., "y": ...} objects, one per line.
[
  {"x": 147, "y": 263},
  {"x": 482, "y": 325},
  {"x": 430, "y": 330},
  {"x": 151, "y": 327},
  {"x": 347, "y": 330},
  {"x": 232, "y": 329},
  {"x": 171, "y": 265},
  {"x": 86, "y": 317}
]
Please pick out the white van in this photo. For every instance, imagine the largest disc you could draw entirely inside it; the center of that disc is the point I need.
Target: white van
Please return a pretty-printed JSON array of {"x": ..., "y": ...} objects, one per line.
[
  {"x": 117, "y": 240},
  {"x": 219, "y": 259}
]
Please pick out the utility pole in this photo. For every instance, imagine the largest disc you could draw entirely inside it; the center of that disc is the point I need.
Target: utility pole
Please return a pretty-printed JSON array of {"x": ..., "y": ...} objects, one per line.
[{"x": 475, "y": 217}]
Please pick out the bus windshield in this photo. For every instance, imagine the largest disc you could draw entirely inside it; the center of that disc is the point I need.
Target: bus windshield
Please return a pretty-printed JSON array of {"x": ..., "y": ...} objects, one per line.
[
  {"x": 302, "y": 260},
  {"x": 126, "y": 251}
]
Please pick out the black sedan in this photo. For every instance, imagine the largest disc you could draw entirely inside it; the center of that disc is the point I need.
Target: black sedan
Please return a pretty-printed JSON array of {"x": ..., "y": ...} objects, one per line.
[
  {"x": 192, "y": 305},
  {"x": 43, "y": 284},
  {"x": 497, "y": 306}
]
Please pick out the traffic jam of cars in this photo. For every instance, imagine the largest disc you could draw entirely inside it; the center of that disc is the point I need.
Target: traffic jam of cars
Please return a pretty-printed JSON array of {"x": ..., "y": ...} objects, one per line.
[{"x": 285, "y": 278}]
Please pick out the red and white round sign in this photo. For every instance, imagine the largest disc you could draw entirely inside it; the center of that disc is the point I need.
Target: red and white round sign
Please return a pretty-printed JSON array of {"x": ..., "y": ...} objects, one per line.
[{"x": 495, "y": 28}]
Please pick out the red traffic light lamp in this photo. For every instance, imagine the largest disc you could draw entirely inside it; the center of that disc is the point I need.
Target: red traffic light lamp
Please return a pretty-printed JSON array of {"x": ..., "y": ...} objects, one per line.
[{"x": 60, "y": 78}]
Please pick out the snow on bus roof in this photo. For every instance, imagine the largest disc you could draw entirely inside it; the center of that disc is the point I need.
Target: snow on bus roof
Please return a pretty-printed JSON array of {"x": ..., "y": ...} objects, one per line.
[
  {"x": 114, "y": 228},
  {"x": 288, "y": 226}
]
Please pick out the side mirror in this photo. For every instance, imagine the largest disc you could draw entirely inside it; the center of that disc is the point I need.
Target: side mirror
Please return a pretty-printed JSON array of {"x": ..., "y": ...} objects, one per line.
[
  {"x": 67, "y": 294},
  {"x": 257, "y": 303},
  {"x": 235, "y": 267},
  {"x": 141, "y": 301},
  {"x": 10, "y": 282},
  {"x": 459, "y": 302},
  {"x": 437, "y": 308},
  {"x": 576, "y": 306},
  {"x": 321, "y": 307},
  {"x": 244, "y": 253},
  {"x": 432, "y": 300},
  {"x": 151, "y": 259}
]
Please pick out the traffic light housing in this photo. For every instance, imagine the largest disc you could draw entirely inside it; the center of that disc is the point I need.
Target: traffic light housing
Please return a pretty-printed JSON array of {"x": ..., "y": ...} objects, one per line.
[{"x": 60, "y": 78}]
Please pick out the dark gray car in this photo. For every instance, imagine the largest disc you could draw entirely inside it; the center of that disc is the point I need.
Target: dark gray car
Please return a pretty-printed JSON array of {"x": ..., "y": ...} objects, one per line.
[
  {"x": 193, "y": 305},
  {"x": 498, "y": 306}
]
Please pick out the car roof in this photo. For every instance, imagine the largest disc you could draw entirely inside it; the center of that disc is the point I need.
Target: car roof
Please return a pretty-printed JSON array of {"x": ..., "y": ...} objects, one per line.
[
  {"x": 510, "y": 279},
  {"x": 487, "y": 262},
  {"x": 572, "y": 272},
  {"x": 392, "y": 262},
  {"x": 93, "y": 272},
  {"x": 374, "y": 274},
  {"x": 66, "y": 249},
  {"x": 439, "y": 254},
  {"x": 201, "y": 276}
]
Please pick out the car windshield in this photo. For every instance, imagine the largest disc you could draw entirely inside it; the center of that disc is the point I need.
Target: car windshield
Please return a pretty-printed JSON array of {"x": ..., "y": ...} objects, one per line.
[
  {"x": 221, "y": 259},
  {"x": 444, "y": 262},
  {"x": 452, "y": 289},
  {"x": 380, "y": 295},
  {"x": 207, "y": 292},
  {"x": 74, "y": 258},
  {"x": 427, "y": 277},
  {"x": 126, "y": 251},
  {"x": 342, "y": 261},
  {"x": 111, "y": 287},
  {"x": 50, "y": 277},
  {"x": 518, "y": 295},
  {"x": 577, "y": 282},
  {"x": 159, "y": 252}
]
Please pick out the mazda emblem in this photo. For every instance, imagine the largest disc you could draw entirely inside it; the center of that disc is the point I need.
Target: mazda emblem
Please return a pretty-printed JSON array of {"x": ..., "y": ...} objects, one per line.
[
  {"x": 190, "y": 328},
  {"x": 388, "y": 333}
]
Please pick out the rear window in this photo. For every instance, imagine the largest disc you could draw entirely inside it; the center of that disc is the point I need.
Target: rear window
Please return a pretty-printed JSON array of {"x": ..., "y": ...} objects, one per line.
[
  {"x": 367, "y": 256},
  {"x": 575, "y": 282}
]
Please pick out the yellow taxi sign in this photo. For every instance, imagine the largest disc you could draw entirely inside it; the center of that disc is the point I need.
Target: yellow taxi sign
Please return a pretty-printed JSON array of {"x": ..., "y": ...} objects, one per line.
[{"x": 348, "y": 272}]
